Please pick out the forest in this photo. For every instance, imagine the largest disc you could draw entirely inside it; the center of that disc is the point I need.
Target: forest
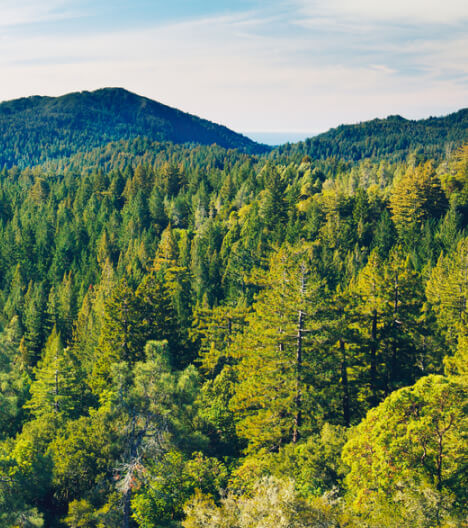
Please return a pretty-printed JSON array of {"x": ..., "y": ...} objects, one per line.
[
  {"x": 201, "y": 337},
  {"x": 38, "y": 129}
]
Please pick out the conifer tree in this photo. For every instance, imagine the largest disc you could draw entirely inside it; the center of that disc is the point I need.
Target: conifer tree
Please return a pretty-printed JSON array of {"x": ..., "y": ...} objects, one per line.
[
  {"x": 14, "y": 383},
  {"x": 90, "y": 318},
  {"x": 279, "y": 355},
  {"x": 447, "y": 291},
  {"x": 15, "y": 303},
  {"x": 34, "y": 321},
  {"x": 167, "y": 253},
  {"x": 121, "y": 337},
  {"x": 55, "y": 391},
  {"x": 370, "y": 305},
  {"x": 273, "y": 204},
  {"x": 389, "y": 300},
  {"x": 415, "y": 197},
  {"x": 216, "y": 329},
  {"x": 158, "y": 320}
]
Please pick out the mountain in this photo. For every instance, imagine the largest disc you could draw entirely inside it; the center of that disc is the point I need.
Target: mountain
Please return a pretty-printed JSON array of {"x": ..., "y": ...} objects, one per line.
[
  {"x": 36, "y": 129},
  {"x": 393, "y": 138}
]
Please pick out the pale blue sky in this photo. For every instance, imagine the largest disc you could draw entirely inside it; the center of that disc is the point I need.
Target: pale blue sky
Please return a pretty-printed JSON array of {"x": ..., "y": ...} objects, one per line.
[{"x": 297, "y": 66}]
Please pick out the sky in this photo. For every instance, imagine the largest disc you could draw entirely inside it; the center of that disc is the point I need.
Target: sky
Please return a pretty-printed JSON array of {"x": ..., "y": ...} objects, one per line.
[{"x": 277, "y": 67}]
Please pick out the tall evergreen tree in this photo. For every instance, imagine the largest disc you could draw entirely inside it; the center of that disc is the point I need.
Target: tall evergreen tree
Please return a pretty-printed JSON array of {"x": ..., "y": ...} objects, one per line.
[
  {"x": 55, "y": 391},
  {"x": 279, "y": 355}
]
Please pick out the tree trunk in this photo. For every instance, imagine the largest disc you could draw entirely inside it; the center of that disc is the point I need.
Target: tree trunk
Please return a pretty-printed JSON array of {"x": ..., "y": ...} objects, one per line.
[
  {"x": 373, "y": 359},
  {"x": 298, "y": 398},
  {"x": 344, "y": 383},
  {"x": 127, "y": 508}
]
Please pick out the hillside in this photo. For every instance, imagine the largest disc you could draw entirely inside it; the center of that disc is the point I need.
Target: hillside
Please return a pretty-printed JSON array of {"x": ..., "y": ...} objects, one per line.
[
  {"x": 36, "y": 129},
  {"x": 393, "y": 138}
]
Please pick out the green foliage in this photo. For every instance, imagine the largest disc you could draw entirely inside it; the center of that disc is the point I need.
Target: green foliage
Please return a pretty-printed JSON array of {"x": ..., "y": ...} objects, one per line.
[
  {"x": 272, "y": 504},
  {"x": 390, "y": 138},
  {"x": 410, "y": 448},
  {"x": 170, "y": 482},
  {"x": 56, "y": 391},
  {"x": 83, "y": 456},
  {"x": 447, "y": 290},
  {"x": 80, "y": 121},
  {"x": 278, "y": 356},
  {"x": 80, "y": 515},
  {"x": 14, "y": 383},
  {"x": 315, "y": 464},
  {"x": 389, "y": 307},
  {"x": 416, "y": 197}
]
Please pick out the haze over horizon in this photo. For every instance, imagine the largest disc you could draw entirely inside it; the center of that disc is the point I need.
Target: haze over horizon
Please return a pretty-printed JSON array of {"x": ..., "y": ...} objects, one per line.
[{"x": 291, "y": 67}]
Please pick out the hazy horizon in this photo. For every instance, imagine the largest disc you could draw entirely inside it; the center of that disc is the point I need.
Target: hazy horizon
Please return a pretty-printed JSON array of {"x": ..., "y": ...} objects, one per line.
[{"x": 278, "y": 137}]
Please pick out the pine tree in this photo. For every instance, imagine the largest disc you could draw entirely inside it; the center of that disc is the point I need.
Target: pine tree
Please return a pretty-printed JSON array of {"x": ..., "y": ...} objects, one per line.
[
  {"x": 273, "y": 204},
  {"x": 15, "y": 303},
  {"x": 167, "y": 253},
  {"x": 121, "y": 337},
  {"x": 34, "y": 319},
  {"x": 158, "y": 320},
  {"x": 447, "y": 292},
  {"x": 405, "y": 457},
  {"x": 215, "y": 329},
  {"x": 415, "y": 197},
  {"x": 388, "y": 303},
  {"x": 279, "y": 355},
  {"x": 14, "y": 383},
  {"x": 369, "y": 290},
  {"x": 55, "y": 391}
]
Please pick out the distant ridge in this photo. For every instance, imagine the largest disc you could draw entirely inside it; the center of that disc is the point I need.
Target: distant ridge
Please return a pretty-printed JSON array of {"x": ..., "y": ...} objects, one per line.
[
  {"x": 392, "y": 138},
  {"x": 36, "y": 129}
]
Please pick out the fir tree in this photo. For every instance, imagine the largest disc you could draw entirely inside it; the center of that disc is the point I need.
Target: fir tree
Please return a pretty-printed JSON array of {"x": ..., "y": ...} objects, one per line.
[{"x": 55, "y": 391}]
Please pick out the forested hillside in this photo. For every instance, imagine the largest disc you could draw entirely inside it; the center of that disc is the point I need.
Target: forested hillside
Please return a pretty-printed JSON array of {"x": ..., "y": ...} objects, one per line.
[
  {"x": 391, "y": 139},
  {"x": 204, "y": 338},
  {"x": 37, "y": 129}
]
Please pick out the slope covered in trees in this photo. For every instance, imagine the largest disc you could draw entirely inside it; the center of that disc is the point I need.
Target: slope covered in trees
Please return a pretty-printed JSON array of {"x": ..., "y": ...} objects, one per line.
[
  {"x": 36, "y": 129},
  {"x": 392, "y": 138},
  {"x": 199, "y": 337}
]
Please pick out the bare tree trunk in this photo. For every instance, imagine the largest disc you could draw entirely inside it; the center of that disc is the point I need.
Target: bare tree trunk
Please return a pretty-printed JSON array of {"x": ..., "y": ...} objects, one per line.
[
  {"x": 298, "y": 398},
  {"x": 373, "y": 358},
  {"x": 136, "y": 437},
  {"x": 344, "y": 383}
]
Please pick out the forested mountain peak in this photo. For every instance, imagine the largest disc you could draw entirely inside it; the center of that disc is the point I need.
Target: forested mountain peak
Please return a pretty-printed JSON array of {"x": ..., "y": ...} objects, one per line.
[
  {"x": 34, "y": 129},
  {"x": 392, "y": 138}
]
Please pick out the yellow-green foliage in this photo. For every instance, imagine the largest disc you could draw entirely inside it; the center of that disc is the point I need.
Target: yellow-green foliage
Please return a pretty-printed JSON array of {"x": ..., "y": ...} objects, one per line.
[
  {"x": 273, "y": 503},
  {"x": 407, "y": 455}
]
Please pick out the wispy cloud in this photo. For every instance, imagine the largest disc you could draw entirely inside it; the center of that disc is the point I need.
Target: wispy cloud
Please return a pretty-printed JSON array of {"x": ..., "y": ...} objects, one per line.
[
  {"x": 383, "y": 68},
  {"x": 23, "y": 12},
  {"x": 403, "y": 11}
]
